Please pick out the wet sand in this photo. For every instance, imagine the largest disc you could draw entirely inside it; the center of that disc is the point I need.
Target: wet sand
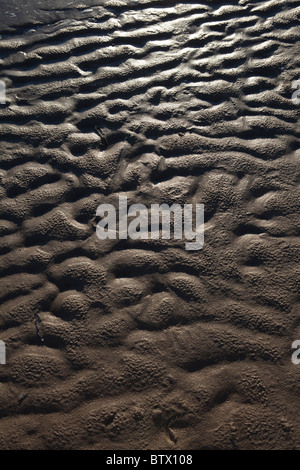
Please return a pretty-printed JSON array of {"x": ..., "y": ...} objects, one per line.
[{"x": 140, "y": 344}]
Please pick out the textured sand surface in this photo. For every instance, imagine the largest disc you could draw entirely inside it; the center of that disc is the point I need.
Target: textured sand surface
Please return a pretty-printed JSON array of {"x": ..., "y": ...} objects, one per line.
[{"x": 142, "y": 344}]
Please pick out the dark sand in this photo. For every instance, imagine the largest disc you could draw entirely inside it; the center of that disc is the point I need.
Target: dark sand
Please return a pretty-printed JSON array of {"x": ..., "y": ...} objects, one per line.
[{"x": 142, "y": 344}]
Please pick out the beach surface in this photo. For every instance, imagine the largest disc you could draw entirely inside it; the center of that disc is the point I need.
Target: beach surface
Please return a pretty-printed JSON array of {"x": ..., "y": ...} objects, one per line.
[{"x": 141, "y": 344}]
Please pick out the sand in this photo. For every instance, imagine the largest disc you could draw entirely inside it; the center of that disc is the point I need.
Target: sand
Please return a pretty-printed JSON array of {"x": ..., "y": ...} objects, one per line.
[{"x": 140, "y": 344}]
